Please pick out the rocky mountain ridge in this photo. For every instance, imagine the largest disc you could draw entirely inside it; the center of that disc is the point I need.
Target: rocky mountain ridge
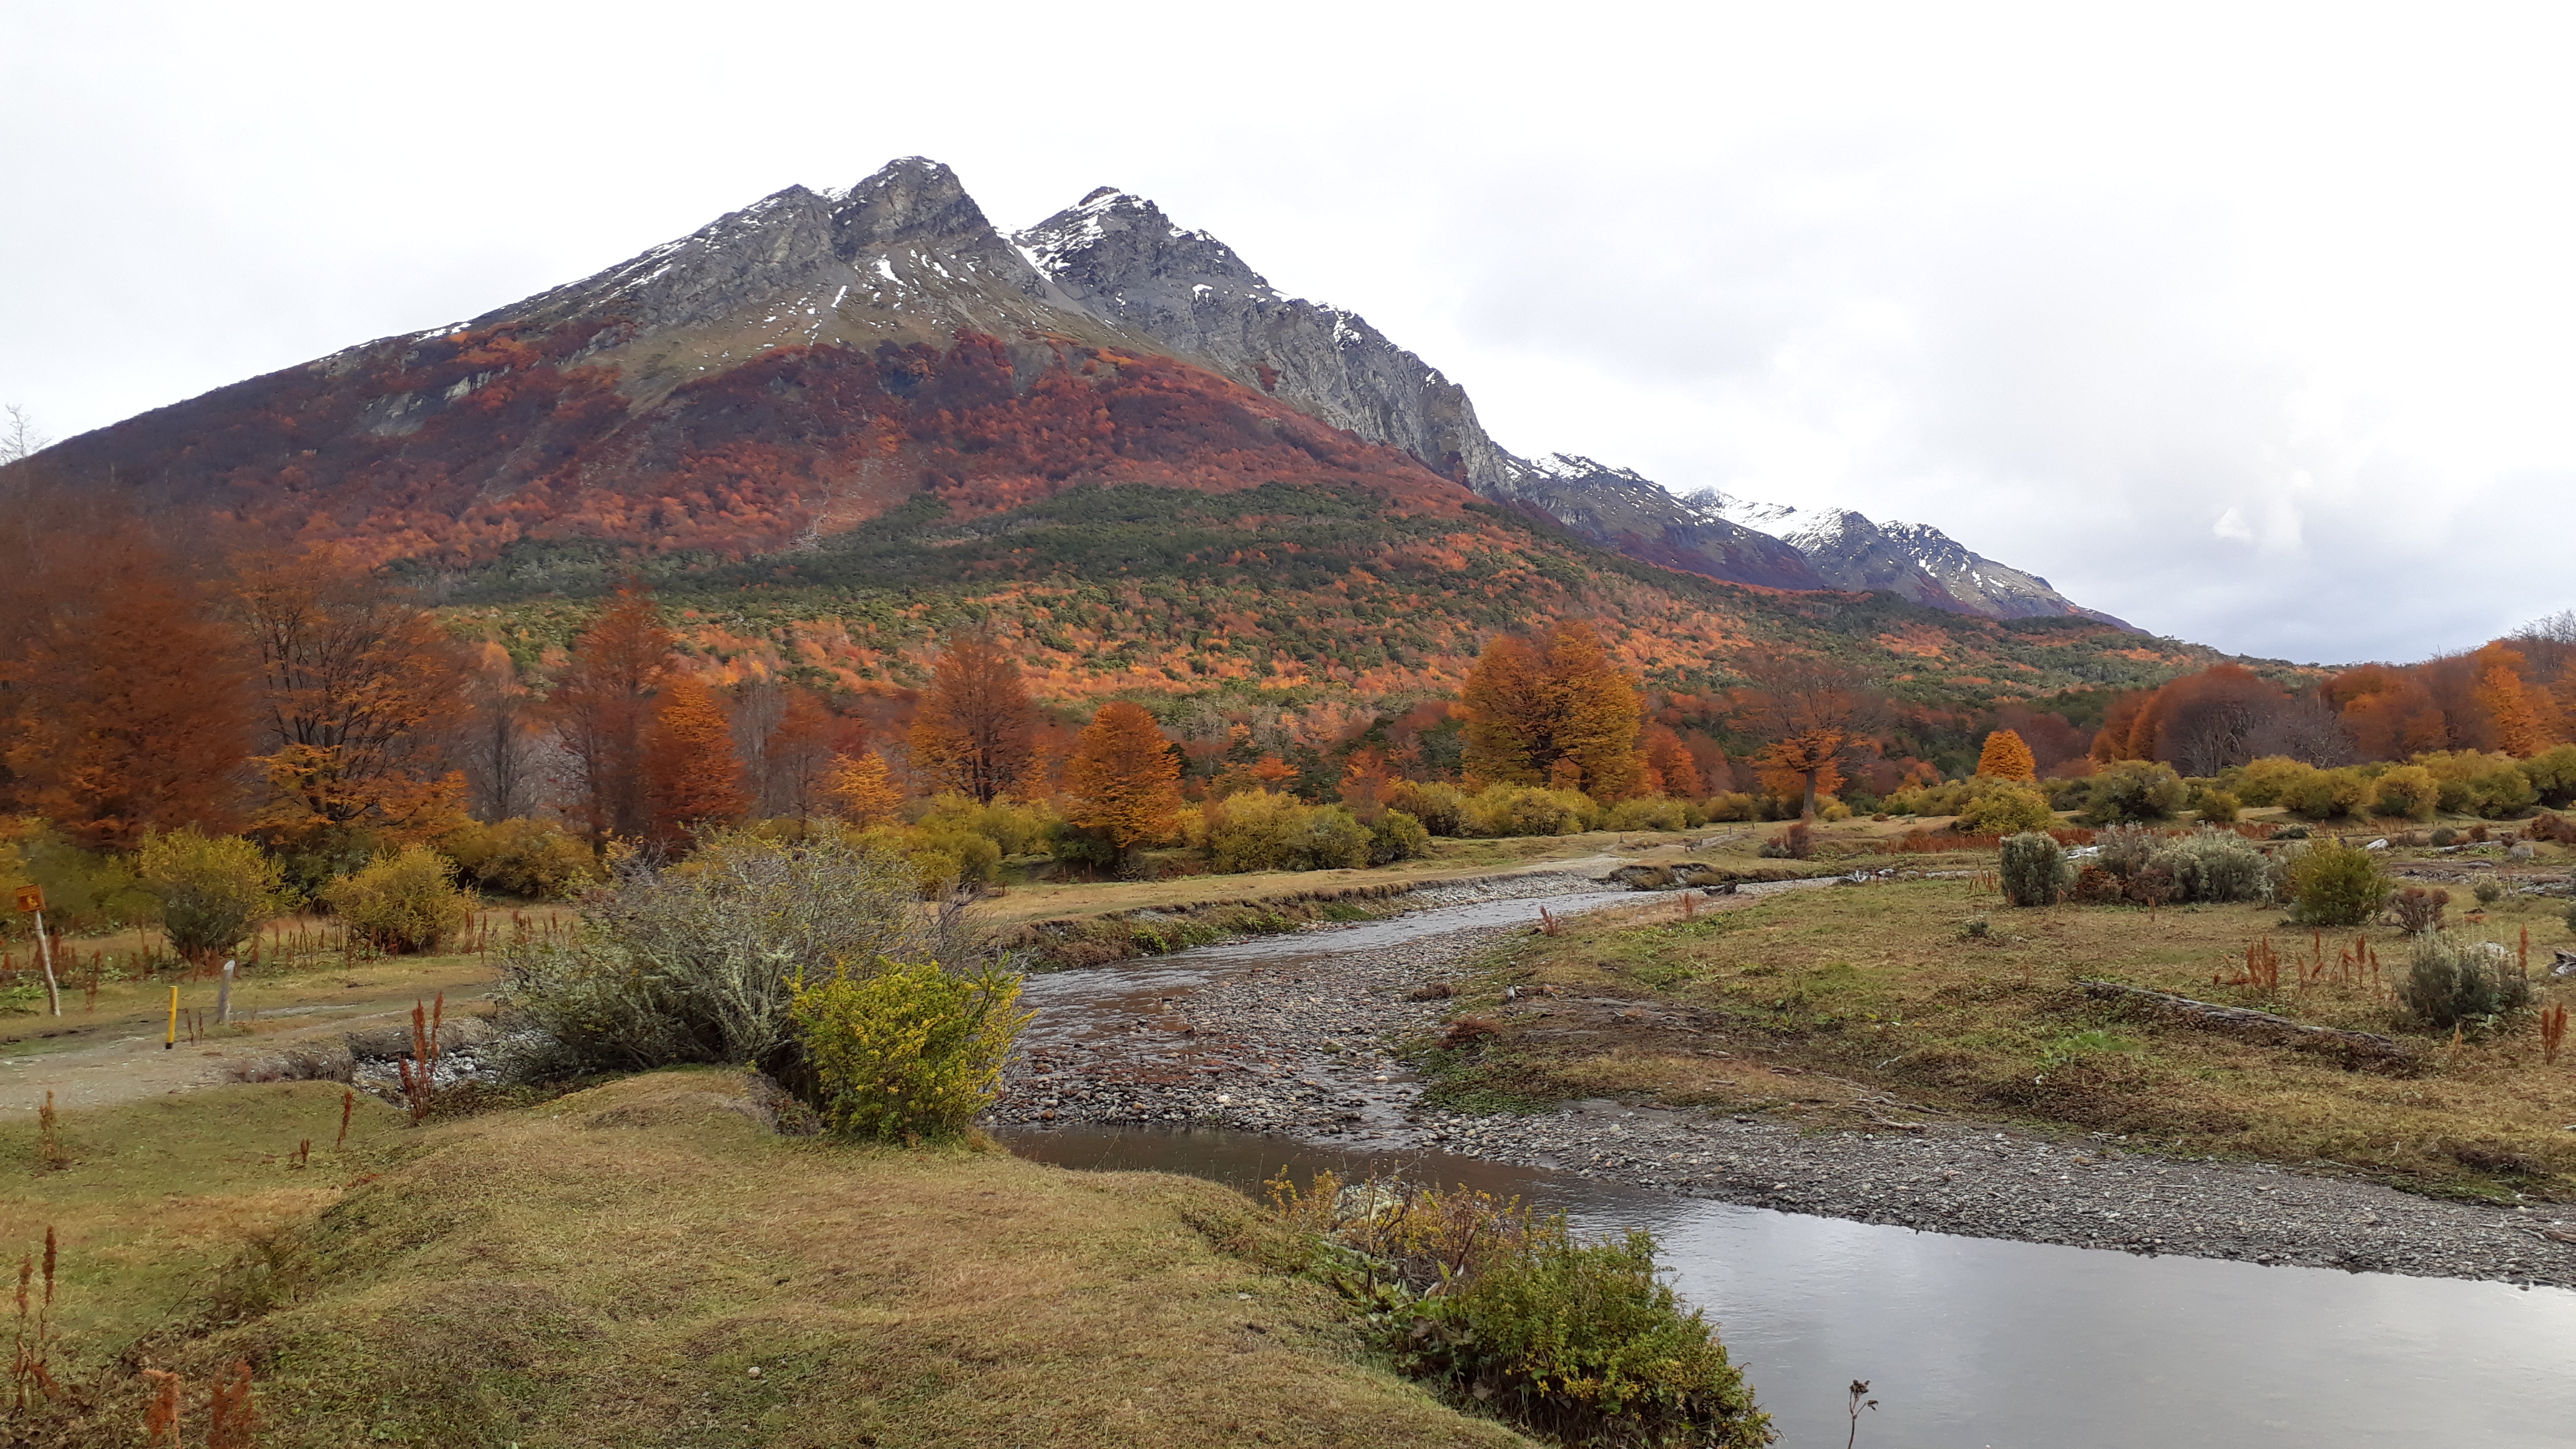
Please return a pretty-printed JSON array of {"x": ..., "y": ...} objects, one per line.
[{"x": 1117, "y": 255}]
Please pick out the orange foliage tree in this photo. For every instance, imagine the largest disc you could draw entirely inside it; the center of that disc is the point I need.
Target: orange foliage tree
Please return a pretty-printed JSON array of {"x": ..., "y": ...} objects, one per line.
[
  {"x": 974, "y": 729},
  {"x": 691, "y": 774},
  {"x": 2007, "y": 758},
  {"x": 1556, "y": 713},
  {"x": 360, "y": 692},
  {"x": 603, "y": 705},
  {"x": 2523, "y": 717},
  {"x": 127, "y": 695},
  {"x": 1815, "y": 719},
  {"x": 1123, "y": 779},
  {"x": 1670, "y": 769}
]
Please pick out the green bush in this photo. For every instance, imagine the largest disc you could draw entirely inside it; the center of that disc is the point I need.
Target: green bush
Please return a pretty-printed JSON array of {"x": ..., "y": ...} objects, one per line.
[
  {"x": 1650, "y": 814},
  {"x": 1397, "y": 836},
  {"x": 1441, "y": 807},
  {"x": 2570, "y": 917},
  {"x": 87, "y": 892},
  {"x": 1733, "y": 805},
  {"x": 1500, "y": 810},
  {"x": 402, "y": 904},
  {"x": 2033, "y": 869},
  {"x": 2263, "y": 783},
  {"x": 2005, "y": 812},
  {"x": 2492, "y": 786},
  {"x": 695, "y": 962},
  {"x": 1014, "y": 827},
  {"x": 2488, "y": 891},
  {"x": 2552, "y": 774},
  {"x": 2409, "y": 791},
  {"x": 2450, "y": 981},
  {"x": 2328, "y": 794},
  {"x": 213, "y": 892},
  {"x": 2333, "y": 884},
  {"x": 2132, "y": 790},
  {"x": 2217, "y": 807},
  {"x": 535, "y": 860},
  {"x": 2214, "y": 866},
  {"x": 910, "y": 1052},
  {"x": 1261, "y": 831},
  {"x": 1583, "y": 1342}
]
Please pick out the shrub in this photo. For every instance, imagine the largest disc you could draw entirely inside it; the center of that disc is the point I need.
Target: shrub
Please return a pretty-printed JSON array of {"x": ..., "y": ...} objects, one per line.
[
  {"x": 2126, "y": 849},
  {"x": 1442, "y": 808},
  {"x": 2132, "y": 790},
  {"x": 2450, "y": 981},
  {"x": 213, "y": 892},
  {"x": 2492, "y": 786},
  {"x": 1015, "y": 827},
  {"x": 1508, "y": 1310},
  {"x": 1795, "y": 843},
  {"x": 2409, "y": 791},
  {"x": 908, "y": 1052},
  {"x": 2444, "y": 835},
  {"x": 2211, "y": 866},
  {"x": 2033, "y": 869},
  {"x": 1583, "y": 1342},
  {"x": 2217, "y": 807},
  {"x": 2327, "y": 794},
  {"x": 2334, "y": 884},
  {"x": 86, "y": 891},
  {"x": 1733, "y": 805},
  {"x": 1261, "y": 831},
  {"x": 1397, "y": 836},
  {"x": 695, "y": 963},
  {"x": 2263, "y": 782},
  {"x": 2420, "y": 910},
  {"x": 402, "y": 904},
  {"x": 2488, "y": 891},
  {"x": 2552, "y": 774},
  {"x": 1648, "y": 814},
  {"x": 2549, "y": 826},
  {"x": 1526, "y": 810},
  {"x": 535, "y": 860},
  {"x": 2005, "y": 812},
  {"x": 2570, "y": 917}
]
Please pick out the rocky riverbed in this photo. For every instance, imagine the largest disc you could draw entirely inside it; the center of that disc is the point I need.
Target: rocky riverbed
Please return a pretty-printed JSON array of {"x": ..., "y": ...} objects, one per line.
[{"x": 1298, "y": 1038}]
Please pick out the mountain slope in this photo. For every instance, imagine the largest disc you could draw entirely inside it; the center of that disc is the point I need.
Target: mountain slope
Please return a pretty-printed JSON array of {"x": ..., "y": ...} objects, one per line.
[{"x": 833, "y": 423}]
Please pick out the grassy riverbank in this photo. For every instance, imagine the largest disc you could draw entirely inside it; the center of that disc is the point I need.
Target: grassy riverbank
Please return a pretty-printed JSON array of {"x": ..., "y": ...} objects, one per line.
[
  {"x": 610, "y": 1267},
  {"x": 1877, "y": 1004}
]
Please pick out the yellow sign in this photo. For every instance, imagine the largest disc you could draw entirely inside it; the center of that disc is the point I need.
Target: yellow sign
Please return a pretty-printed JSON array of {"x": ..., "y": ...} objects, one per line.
[{"x": 31, "y": 899}]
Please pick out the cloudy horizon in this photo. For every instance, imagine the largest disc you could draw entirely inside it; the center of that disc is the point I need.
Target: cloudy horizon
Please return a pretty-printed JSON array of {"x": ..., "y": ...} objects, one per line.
[{"x": 2237, "y": 323}]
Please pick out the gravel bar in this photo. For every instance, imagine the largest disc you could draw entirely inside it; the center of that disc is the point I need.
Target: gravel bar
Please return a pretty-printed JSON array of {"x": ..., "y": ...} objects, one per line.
[{"x": 1298, "y": 1042}]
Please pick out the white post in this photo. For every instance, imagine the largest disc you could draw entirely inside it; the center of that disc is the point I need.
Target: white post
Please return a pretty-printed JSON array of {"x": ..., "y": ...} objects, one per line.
[
  {"x": 45, "y": 948},
  {"x": 224, "y": 996}
]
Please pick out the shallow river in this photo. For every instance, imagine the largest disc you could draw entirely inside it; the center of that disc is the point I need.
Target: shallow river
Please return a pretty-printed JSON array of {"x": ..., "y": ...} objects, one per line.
[{"x": 1965, "y": 1341}]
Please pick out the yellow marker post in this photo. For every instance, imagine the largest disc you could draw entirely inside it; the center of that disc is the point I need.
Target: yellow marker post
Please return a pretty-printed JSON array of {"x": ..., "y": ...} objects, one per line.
[{"x": 173, "y": 1039}]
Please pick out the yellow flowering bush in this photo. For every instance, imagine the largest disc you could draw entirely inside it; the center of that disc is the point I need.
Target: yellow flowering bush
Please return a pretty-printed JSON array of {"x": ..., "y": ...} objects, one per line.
[{"x": 908, "y": 1052}]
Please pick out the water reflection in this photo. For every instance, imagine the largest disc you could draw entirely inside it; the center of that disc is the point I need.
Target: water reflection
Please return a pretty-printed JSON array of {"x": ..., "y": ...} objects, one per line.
[{"x": 1970, "y": 1341}]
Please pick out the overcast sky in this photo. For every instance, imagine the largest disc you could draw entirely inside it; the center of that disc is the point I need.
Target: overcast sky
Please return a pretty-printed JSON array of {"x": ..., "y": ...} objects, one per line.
[{"x": 2249, "y": 324}]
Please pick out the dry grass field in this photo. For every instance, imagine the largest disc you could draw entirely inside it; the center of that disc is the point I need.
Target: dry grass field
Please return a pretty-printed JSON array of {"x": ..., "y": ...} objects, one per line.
[
  {"x": 1877, "y": 1003},
  {"x": 644, "y": 1264}
]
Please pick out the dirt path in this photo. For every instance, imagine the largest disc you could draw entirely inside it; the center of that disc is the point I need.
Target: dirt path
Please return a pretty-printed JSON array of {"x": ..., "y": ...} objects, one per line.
[{"x": 99, "y": 1061}]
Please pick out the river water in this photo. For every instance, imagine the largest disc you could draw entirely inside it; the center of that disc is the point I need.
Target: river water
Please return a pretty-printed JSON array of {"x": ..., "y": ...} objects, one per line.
[{"x": 1966, "y": 1342}]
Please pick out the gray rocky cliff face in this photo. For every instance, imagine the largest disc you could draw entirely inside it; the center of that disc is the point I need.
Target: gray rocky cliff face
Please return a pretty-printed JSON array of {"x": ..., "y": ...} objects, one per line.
[
  {"x": 1117, "y": 255},
  {"x": 1626, "y": 511},
  {"x": 1912, "y": 560},
  {"x": 905, "y": 256}
]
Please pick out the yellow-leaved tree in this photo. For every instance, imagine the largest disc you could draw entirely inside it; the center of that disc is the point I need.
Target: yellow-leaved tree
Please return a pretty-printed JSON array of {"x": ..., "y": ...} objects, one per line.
[
  {"x": 864, "y": 789},
  {"x": 2007, "y": 758}
]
